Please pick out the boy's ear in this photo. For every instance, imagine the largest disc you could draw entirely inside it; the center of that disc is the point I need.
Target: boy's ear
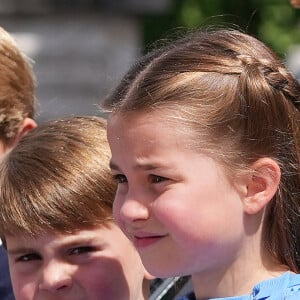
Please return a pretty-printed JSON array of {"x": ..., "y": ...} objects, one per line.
[
  {"x": 27, "y": 125},
  {"x": 262, "y": 185}
]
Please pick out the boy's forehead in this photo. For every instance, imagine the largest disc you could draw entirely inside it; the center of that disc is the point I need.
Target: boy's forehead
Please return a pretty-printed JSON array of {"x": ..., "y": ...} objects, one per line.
[{"x": 50, "y": 236}]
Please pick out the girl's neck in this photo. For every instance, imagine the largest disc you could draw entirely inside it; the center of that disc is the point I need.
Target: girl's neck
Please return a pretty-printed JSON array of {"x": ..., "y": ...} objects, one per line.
[
  {"x": 236, "y": 281},
  {"x": 245, "y": 267}
]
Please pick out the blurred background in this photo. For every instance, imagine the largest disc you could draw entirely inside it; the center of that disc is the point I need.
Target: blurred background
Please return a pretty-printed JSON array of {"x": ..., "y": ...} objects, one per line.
[{"x": 81, "y": 48}]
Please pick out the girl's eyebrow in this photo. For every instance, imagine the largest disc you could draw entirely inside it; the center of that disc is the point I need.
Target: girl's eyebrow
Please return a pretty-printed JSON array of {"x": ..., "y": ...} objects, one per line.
[
  {"x": 139, "y": 166},
  {"x": 113, "y": 166},
  {"x": 147, "y": 166}
]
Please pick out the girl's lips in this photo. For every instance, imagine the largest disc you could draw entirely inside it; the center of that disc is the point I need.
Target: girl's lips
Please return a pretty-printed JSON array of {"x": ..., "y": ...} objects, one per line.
[{"x": 145, "y": 241}]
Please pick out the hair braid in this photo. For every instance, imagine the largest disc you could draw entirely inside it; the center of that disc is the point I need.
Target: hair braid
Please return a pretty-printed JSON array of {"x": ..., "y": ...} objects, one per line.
[{"x": 276, "y": 76}]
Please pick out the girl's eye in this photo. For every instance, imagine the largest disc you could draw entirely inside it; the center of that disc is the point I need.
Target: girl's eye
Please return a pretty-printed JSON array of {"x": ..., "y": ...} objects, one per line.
[
  {"x": 157, "y": 179},
  {"x": 29, "y": 257},
  {"x": 119, "y": 178},
  {"x": 81, "y": 250}
]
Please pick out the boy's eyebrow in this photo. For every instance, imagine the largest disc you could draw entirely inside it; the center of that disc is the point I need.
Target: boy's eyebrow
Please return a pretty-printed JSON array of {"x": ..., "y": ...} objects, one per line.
[
  {"x": 20, "y": 250},
  {"x": 76, "y": 242},
  {"x": 73, "y": 242}
]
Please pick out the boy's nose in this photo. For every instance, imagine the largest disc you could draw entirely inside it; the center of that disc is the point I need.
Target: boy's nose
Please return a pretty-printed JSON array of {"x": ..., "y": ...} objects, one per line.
[{"x": 56, "y": 277}]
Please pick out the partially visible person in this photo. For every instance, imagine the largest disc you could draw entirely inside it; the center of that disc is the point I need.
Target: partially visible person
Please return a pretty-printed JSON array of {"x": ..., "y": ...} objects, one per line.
[
  {"x": 295, "y": 3},
  {"x": 17, "y": 109},
  {"x": 56, "y": 220},
  {"x": 205, "y": 142}
]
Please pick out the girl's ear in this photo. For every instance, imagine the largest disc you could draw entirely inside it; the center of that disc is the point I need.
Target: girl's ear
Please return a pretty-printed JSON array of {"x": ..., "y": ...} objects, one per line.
[{"x": 262, "y": 185}]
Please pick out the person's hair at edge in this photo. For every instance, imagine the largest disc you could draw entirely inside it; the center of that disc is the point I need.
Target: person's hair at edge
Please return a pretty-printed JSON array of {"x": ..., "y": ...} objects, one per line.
[
  {"x": 67, "y": 185},
  {"x": 17, "y": 87},
  {"x": 230, "y": 89}
]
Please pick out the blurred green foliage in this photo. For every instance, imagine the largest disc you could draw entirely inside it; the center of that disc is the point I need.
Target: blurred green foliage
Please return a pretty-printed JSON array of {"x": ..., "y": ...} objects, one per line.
[{"x": 275, "y": 22}]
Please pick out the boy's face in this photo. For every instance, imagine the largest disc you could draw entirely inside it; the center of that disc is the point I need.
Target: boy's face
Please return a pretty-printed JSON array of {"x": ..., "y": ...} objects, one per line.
[
  {"x": 91, "y": 264},
  {"x": 3, "y": 148}
]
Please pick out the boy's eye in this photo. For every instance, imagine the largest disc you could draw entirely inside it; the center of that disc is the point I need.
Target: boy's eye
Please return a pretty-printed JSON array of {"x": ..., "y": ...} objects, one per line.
[
  {"x": 157, "y": 179},
  {"x": 81, "y": 250},
  {"x": 29, "y": 257},
  {"x": 120, "y": 178}
]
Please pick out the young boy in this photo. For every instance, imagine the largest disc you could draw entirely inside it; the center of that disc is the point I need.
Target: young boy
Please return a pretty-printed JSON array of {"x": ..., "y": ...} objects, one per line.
[
  {"x": 56, "y": 217},
  {"x": 17, "y": 107}
]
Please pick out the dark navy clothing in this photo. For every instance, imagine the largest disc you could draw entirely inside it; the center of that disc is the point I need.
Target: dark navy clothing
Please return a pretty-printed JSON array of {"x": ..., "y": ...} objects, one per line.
[
  {"x": 5, "y": 284},
  {"x": 190, "y": 296}
]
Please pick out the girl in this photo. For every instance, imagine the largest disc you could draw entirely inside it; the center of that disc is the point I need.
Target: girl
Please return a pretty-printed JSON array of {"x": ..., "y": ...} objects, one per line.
[{"x": 204, "y": 135}]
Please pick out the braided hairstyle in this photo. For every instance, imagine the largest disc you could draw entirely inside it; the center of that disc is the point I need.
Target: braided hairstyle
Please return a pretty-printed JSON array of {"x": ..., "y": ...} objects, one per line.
[{"x": 230, "y": 90}]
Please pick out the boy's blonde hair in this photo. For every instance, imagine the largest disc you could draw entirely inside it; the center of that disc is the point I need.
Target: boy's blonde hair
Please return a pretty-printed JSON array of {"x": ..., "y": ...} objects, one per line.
[
  {"x": 17, "y": 87},
  {"x": 57, "y": 178}
]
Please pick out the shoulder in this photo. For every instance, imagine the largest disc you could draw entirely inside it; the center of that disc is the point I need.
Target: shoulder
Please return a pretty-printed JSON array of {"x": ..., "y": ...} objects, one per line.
[
  {"x": 286, "y": 286},
  {"x": 293, "y": 288}
]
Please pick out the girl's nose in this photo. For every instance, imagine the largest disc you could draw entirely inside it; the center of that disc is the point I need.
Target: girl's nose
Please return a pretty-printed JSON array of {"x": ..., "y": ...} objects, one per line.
[
  {"x": 131, "y": 208},
  {"x": 56, "y": 277}
]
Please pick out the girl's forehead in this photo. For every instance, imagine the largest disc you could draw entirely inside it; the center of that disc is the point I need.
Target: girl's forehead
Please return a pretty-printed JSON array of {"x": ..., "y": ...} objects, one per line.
[
  {"x": 144, "y": 124},
  {"x": 162, "y": 127},
  {"x": 146, "y": 142},
  {"x": 163, "y": 115}
]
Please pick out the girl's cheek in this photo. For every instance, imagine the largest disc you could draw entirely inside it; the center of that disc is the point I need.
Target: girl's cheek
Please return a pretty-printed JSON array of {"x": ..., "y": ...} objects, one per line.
[
  {"x": 168, "y": 207},
  {"x": 116, "y": 210}
]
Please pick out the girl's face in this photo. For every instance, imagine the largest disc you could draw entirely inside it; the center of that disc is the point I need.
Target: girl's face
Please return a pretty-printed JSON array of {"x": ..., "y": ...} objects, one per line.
[
  {"x": 178, "y": 207},
  {"x": 90, "y": 264}
]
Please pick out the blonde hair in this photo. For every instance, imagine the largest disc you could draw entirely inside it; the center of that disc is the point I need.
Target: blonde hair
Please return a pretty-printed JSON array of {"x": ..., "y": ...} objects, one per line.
[
  {"x": 57, "y": 178},
  {"x": 232, "y": 97},
  {"x": 17, "y": 87}
]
